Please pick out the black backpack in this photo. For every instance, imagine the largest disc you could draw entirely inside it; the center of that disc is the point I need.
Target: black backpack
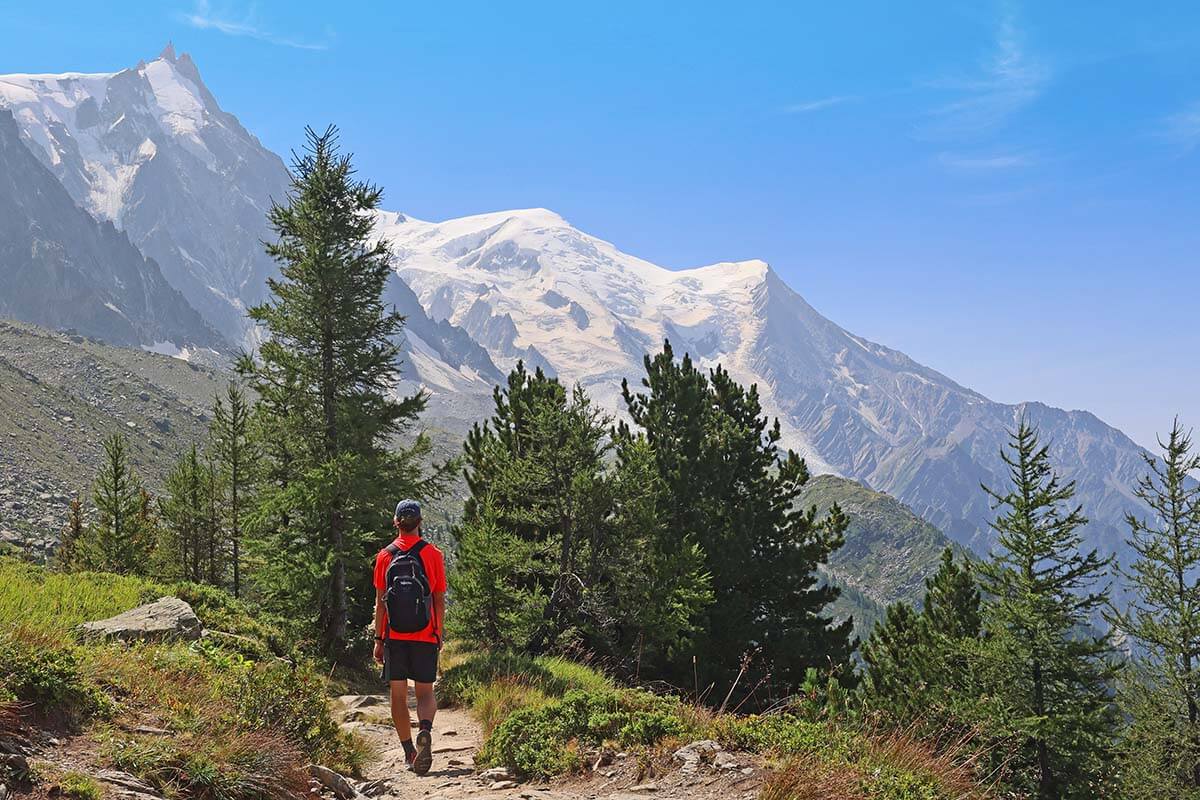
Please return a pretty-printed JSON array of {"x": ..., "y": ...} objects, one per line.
[{"x": 407, "y": 597}]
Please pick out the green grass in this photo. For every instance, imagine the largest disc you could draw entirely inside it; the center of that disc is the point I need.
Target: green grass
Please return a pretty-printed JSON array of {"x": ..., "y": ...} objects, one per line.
[
  {"x": 48, "y": 605},
  {"x": 78, "y": 786},
  {"x": 550, "y": 676},
  {"x": 241, "y": 723}
]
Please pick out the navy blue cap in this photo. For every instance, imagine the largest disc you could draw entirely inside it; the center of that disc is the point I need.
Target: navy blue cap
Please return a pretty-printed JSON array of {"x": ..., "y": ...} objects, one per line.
[{"x": 408, "y": 508}]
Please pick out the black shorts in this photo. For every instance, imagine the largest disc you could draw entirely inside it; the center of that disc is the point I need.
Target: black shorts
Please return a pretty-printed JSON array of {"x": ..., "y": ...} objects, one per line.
[{"x": 412, "y": 661}]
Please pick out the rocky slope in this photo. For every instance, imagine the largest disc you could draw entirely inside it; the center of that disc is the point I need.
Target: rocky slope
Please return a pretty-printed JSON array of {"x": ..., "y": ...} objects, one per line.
[
  {"x": 60, "y": 397},
  {"x": 62, "y": 269},
  {"x": 889, "y": 550}
]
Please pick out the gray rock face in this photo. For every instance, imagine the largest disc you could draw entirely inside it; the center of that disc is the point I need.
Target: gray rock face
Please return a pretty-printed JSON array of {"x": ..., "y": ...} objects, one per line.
[
  {"x": 165, "y": 618},
  {"x": 149, "y": 150},
  {"x": 62, "y": 269}
]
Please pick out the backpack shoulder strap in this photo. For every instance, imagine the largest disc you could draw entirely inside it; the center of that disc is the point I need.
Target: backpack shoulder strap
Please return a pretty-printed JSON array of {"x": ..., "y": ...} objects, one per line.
[
  {"x": 392, "y": 549},
  {"x": 416, "y": 549}
]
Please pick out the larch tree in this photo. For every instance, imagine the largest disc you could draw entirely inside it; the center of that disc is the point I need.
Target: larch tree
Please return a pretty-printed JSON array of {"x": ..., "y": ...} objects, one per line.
[
  {"x": 1047, "y": 663},
  {"x": 1163, "y": 617}
]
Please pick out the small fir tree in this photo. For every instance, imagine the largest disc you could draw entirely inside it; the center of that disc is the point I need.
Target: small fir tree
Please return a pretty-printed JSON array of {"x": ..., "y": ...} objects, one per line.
[{"x": 117, "y": 540}]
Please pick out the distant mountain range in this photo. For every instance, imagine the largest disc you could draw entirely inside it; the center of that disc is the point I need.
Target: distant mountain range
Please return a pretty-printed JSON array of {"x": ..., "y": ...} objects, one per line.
[{"x": 149, "y": 150}]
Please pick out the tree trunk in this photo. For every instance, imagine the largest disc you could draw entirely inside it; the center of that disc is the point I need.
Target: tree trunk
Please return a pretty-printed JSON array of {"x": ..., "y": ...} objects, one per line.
[{"x": 1045, "y": 775}]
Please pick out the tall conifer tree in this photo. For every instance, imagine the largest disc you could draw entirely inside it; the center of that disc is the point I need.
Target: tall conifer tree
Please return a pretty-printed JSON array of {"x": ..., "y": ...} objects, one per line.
[
  {"x": 1049, "y": 667},
  {"x": 324, "y": 377},
  {"x": 233, "y": 449},
  {"x": 730, "y": 490},
  {"x": 1164, "y": 619}
]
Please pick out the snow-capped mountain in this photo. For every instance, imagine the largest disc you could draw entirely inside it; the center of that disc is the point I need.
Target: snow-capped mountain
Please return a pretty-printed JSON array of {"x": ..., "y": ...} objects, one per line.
[
  {"x": 61, "y": 268},
  {"x": 527, "y": 285},
  {"x": 150, "y": 150}
]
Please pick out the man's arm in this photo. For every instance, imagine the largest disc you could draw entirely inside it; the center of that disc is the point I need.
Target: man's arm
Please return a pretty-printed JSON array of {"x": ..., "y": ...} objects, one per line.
[
  {"x": 379, "y": 624},
  {"x": 439, "y": 615}
]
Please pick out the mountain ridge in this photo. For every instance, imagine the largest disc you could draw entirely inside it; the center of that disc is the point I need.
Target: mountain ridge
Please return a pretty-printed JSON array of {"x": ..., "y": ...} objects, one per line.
[{"x": 527, "y": 283}]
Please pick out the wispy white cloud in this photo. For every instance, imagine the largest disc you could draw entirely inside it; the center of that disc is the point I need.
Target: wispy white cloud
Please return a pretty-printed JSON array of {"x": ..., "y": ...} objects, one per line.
[
  {"x": 817, "y": 105},
  {"x": 987, "y": 162},
  {"x": 1010, "y": 79},
  {"x": 1183, "y": 128},
  {"x": 203, "y": 17}
]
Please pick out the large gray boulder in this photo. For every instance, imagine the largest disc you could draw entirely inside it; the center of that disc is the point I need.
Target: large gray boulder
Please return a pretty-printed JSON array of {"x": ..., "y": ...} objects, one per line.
[{"x": 165, "y": 618}]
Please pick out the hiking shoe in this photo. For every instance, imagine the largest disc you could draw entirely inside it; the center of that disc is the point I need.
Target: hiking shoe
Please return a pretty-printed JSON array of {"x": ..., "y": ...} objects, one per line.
[{"x": 424, "y": 758}]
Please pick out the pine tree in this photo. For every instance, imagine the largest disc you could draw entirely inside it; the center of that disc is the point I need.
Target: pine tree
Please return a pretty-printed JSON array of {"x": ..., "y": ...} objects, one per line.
[
  {"x": 117, "y": 540},
  {"x": 1163, "y": 617},
  {"x": 952, "y": 601},
  {"x": 729, "y": 490},
  {"x": 917, "y": 664},
  {"x": 552, "y": 549},
  {"x": 72, "y": 537},
  {"x": 1049, "y": 667},
  {"x": 233, "y": 449},
  {"x": 181, "y": 550},
  {"x": 332, "y": 349}
]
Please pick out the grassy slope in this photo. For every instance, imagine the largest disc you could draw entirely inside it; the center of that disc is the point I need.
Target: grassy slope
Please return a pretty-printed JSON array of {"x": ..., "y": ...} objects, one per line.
[
  {"x": 227, "y": 717},
  {"x": 889, "y": 550}
]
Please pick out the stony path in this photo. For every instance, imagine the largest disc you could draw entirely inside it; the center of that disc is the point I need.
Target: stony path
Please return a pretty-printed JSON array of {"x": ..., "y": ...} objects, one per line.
[{"x": 454, "y": 776}]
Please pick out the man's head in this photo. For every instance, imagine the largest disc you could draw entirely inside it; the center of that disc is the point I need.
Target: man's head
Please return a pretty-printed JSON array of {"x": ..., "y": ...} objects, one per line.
[{"x": 408, "y": 516}]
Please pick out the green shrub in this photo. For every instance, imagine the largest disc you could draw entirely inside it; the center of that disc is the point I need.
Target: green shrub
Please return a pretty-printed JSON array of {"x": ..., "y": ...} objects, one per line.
[
  {"x": 221, "y": 611},
  {"x": 48, "y": 678},
  {"x": 543, "y": 741},
  {"x": 495, "y": 702},
  {"x": 291, "y": 702},
  {"x": 229, "y": 765}
]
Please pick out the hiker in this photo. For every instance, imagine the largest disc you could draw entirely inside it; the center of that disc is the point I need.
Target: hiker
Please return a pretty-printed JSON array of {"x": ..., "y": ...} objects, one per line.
[{"x": 410, "y": 603}]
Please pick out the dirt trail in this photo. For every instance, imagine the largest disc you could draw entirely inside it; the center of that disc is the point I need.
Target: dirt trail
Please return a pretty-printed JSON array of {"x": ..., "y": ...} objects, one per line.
[{"x": 454, "y": 776}]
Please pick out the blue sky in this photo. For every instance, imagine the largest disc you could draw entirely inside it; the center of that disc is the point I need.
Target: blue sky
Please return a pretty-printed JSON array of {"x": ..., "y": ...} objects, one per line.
[{"x": 1005, "y": 191}]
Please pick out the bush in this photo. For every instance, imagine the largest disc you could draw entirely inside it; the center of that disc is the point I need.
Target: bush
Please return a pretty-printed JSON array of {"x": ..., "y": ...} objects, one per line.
[
  {"x": 229, "y": 764},
  {"x": 544, "y": 740},
  {"x": 49, "y": 679},
  {"x": 291, "y": 702}
]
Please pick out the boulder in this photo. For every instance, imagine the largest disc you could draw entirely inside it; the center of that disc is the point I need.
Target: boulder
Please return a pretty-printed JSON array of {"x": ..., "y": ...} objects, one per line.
[{"x": 165, "y": 618}]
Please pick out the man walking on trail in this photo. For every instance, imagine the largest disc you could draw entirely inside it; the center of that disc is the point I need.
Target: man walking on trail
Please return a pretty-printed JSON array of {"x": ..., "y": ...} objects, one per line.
[{"x": 410, "y": 603}]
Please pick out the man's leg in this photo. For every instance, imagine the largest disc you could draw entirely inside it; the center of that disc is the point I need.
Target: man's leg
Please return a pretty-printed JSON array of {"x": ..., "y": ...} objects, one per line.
[
  {"x": 424, "y": 663},
  {"x": 400, "y": 718},
  {"x": 426, "y": 701}
]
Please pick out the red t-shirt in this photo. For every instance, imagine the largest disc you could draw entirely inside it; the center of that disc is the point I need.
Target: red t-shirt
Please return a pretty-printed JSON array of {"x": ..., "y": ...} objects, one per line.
[{"x": 435, "y": 571}]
